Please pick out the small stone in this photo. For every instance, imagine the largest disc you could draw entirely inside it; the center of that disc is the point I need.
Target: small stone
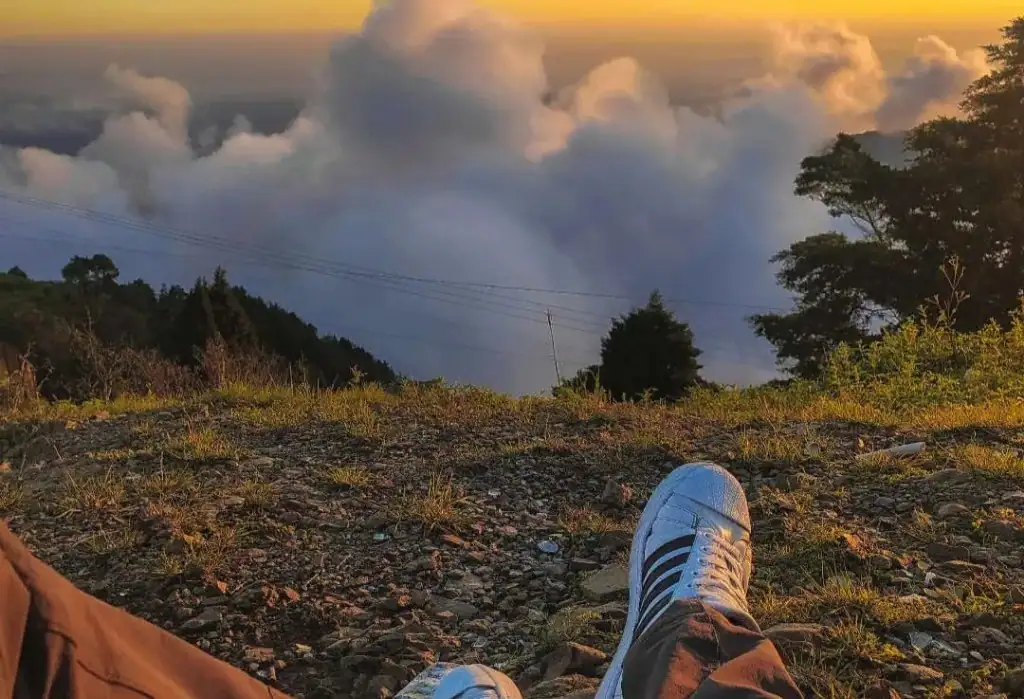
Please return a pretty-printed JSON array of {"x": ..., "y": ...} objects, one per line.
[
  {"x": 461, "y": 610},
  {"x": 795, "y": 633},
  {"x": 1002, "y": 529},
  {"x": 259, "y": 655},
  {"x": 881, "y": 690},
  {"x": 921, "y": 641},
  {"x": 616, "y": 494},
  {"x": 548, "y": 547},
  {"x": 948, "y": 475},
  {"x": 920, "y": 674},
  {"x": 606, "y": 584},
  {"x": 1013, "y": 683},
  {"x": 210, "y": 618},
  {"x": 941, "y": 552},
  {"x": 572, "y": 658},
  {"x": 583, "y": 564},
  {"x": 455, "y": 541},
  {"x": 951, "y": 510}
]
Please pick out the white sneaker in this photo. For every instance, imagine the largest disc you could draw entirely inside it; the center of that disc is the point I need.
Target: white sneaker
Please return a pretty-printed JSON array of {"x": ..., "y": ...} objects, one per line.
[
  {"x": 476, "y": 682},
  {"x": 693, "y": 541}
]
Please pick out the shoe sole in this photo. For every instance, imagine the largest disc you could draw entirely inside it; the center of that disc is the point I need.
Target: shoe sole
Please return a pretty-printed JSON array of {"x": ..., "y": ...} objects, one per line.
[{"x": 658, "y": 498}]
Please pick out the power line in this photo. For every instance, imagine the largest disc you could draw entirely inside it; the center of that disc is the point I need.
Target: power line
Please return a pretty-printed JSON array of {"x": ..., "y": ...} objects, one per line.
[
  {"x": 136, "y": 223},
  {"x": 277, "y": 259},
  {"x": 64, "y": 239}
]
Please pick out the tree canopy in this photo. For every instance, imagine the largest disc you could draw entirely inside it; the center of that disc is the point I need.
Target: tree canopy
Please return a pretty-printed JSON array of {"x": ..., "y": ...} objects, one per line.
[
  {"x": 646, "y": 353},
  {"x": 957, "y": 204}
]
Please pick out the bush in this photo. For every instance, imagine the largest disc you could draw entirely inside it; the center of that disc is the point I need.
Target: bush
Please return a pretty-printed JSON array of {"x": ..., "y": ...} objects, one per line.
[{"x": 927, "y": 363}]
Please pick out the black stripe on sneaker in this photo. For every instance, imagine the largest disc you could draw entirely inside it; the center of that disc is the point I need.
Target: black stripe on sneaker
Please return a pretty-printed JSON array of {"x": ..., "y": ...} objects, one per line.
[
  {"x": 664, "y": 584},
  {"x": 682, "y": 542},
  {"x": 655, "y": 609},
  {"x": 667, "y": 565}
]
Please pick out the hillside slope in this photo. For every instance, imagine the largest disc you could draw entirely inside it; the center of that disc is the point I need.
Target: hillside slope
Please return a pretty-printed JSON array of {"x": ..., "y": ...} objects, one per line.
[{"x": 337, "y": 543}]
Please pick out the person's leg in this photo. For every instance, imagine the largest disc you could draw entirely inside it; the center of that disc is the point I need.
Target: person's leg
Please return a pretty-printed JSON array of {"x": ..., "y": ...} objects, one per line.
[
  {"x": 57, "y": 641},
  {"x": 689, "y": 633}
]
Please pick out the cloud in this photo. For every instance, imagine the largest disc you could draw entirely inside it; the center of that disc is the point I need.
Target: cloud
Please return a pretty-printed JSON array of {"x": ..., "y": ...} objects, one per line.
[
  {"x": 433, "y": 147},
  {"x": 930, "y": 85}
]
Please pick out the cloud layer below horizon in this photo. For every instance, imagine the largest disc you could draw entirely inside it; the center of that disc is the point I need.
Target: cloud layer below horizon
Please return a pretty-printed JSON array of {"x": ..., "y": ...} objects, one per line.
[{"x": 434, "y": 148}]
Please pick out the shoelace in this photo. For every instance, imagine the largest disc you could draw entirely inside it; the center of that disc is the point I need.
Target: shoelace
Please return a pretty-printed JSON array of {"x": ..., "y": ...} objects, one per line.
[{"x": 720, "y": 567}]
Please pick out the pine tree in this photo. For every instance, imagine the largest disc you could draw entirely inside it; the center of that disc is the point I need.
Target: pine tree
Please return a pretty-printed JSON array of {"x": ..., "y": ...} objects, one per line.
[{"x": 649, "y": 352}]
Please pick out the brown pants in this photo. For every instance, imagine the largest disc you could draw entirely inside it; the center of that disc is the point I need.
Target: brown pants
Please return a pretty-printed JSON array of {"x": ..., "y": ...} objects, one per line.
[{"x": 58, "y": 642}]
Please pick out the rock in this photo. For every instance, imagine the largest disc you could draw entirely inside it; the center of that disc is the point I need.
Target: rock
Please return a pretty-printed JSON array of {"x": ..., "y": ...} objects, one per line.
[
  {"x": 950, "y": 476},
  {"x": 382, "y": 687},
  {"x": 577, "y": 565},
  {"x": 881, "y": 690},
  {"x": 259, "y": 655},
  {"x": 616, "y": 494},
  {"x": 921, "y": 640},
  {"x": 548, "y": 547},
  {"x": 462, "y": 610},
  {"x": 885, "y": 503},
  {"x": 796, "y": 633},
  {"x": 794, "y": 481},
  {"x": 455, "y": 541},
  {"x": 919, "y": 674},
  {"x": 951, "y": 510},
  {"x": 615, "y": 540},
  {"x": 941, "y": 552},
  {"x": 606, "y": 584},
  {"x": 553, "y": 569},
  {"x": 987, "y": 636},
  {"x": 1002, "y": 529},
  {"x": 1013, "y": 683},
  {"x": 431, "y": 562},
  {"x": 572, "y": 658},
  {"x": 210, "y": 618}
]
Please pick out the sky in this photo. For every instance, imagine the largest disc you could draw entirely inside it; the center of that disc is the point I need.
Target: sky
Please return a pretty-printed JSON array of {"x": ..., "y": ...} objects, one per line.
[
  {"x": 68, "y": 17},
  {"x": 450, "y": 158}
]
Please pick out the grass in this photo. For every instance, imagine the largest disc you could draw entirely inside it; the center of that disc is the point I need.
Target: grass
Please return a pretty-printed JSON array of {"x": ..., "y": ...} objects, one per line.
[
  {"x": 347, "y": 477},
  {"x": 201, "y": 556},
  {"x": 92, "y": 492},
  {"x": 824, "y": 552},
  {"x": 257, "y": 494},
  {"x": 581, "y": 521},
  {"x": 573, "y": 624},
  {"x": 435, "y": 508},
  {"x": 11, "y": 496},
  {"x": 989, "y": 461},
  {"x": 201, "y": 444}
]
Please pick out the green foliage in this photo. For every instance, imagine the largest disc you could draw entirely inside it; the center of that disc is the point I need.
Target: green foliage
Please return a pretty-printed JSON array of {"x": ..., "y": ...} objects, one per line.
[
  {"x": 647, "y": 353},
  {"x": 923, "y": 363},
  {"x": 91, "y": 336},
  {"x": 958, "y": 197}
]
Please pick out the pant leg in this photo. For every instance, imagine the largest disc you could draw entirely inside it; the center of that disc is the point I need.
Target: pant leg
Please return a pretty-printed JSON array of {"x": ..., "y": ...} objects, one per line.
[
  {"x": 693, "y": 652},
  {"x": 58, "y": 642}
]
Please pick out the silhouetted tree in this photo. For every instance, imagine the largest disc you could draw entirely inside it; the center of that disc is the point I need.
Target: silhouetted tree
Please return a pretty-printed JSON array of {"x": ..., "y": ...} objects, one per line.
[
  {"x": 649, "y": 352},
  {"x": 960, "y": 197}
]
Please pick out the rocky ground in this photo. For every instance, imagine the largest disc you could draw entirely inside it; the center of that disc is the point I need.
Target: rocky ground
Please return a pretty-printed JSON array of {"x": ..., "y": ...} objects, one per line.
[{"x": 336, "y": 545}]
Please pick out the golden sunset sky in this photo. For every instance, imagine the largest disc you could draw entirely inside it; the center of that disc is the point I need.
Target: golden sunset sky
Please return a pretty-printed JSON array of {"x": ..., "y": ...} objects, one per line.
[{"x": 64, "y": 17}]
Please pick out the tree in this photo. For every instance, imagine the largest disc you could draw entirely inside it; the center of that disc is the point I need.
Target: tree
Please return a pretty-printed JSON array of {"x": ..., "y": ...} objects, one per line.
[
  {"x": 960, "y": 197},
  {"x": 649, "y": 352},
  {"x": 17, "y": 272},
  {"x": 98, "y": 270}
]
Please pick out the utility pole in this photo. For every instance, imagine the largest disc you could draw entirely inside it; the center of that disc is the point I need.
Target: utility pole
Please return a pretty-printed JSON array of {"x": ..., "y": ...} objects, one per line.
[{"x": 554, "y": 349}]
